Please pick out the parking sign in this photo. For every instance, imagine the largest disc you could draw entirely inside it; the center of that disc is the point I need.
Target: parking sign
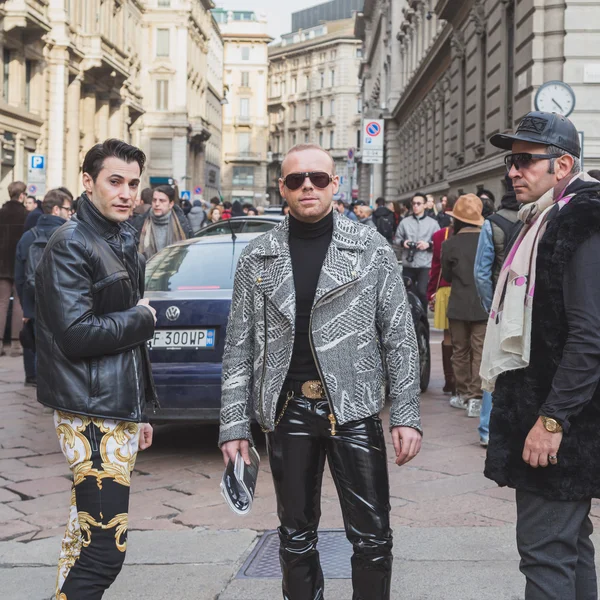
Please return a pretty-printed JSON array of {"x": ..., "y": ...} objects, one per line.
[{"x": 36, "y": 174}]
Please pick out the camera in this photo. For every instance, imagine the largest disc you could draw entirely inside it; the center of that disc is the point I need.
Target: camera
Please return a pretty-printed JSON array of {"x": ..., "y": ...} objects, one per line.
[{"x": 412, "y": 248}]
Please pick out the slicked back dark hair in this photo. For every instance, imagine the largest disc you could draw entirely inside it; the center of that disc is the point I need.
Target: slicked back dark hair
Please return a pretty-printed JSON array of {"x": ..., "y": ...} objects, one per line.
[{"x": 94, "y": 159}]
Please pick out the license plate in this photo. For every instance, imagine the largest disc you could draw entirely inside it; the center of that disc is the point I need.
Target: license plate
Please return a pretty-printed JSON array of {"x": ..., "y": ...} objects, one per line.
[{"x": 183, "y": 338}]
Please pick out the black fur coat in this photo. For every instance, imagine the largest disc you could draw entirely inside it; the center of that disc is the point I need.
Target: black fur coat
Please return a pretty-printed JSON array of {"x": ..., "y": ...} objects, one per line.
[{"x": 519, "y": 394}]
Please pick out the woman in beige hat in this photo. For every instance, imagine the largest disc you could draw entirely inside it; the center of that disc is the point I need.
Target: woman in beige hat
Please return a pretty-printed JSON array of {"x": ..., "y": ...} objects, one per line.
[{"x": 466, "y": 316}]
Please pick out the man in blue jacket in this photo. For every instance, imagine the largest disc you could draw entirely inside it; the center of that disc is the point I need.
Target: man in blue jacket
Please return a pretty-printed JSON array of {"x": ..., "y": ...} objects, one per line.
[{"x": 57, "y": 209}]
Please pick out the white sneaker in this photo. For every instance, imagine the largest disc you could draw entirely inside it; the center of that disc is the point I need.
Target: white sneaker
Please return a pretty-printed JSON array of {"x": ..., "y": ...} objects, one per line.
[
  {"x": 458, "y": 402},
  {"x": 474, "y": 407},
  {"x": 484, "y": 441}
]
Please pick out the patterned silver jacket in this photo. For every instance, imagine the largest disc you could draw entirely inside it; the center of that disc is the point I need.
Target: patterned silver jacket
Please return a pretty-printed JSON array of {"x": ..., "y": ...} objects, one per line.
[{"x": 360, "y": 320}]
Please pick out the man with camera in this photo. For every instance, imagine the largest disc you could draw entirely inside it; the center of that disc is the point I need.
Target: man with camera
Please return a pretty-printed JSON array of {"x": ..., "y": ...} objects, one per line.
[{"x": 414, "y": 237}]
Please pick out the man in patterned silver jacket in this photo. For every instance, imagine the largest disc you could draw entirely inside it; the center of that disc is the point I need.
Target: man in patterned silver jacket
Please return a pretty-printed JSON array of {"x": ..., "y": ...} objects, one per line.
[{"x": 319, "y": 316}]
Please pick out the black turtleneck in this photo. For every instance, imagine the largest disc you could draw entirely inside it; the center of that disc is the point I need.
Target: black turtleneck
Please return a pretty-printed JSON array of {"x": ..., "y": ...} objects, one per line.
[{"x": 308, "y": 246}]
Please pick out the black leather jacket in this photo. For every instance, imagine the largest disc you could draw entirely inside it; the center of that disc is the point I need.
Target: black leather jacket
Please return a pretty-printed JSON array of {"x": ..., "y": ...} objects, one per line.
[{"x": 91, "y": 336}]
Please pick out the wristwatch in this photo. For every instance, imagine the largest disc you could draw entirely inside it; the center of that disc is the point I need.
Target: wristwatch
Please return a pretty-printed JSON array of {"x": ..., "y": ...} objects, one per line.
[{"x": 551, "y": 425}]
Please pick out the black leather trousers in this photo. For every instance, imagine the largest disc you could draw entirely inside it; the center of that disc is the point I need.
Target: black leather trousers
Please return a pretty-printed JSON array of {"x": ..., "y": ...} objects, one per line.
[{"x": 357, "y": 459}]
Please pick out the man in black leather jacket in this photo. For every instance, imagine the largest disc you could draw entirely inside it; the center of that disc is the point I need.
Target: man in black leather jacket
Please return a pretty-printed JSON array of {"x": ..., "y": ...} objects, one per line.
[{"x": 93, "y": 366}]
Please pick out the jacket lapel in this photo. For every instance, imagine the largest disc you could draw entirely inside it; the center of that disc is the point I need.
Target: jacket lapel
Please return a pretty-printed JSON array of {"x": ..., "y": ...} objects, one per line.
[
  {"x": 341, "y": 265},
  {"x": 276, "y": 280}
]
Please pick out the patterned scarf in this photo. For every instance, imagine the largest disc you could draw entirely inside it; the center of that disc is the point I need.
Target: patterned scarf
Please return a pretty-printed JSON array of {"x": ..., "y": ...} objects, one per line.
[
  {"x": 508, "y": 337},
  {"x": 149, "y": 245}
]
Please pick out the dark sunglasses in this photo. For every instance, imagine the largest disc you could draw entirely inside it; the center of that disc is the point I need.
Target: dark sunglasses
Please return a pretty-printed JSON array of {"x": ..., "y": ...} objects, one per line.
[
  {"x": 319, "y": 179},
  {"x": 523, "y": 160}
]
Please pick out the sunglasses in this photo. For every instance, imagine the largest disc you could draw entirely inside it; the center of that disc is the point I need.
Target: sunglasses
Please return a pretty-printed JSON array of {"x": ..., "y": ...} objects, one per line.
[
  {"x": 523, "y": 160},
  {"x": 319, "y": 179}
]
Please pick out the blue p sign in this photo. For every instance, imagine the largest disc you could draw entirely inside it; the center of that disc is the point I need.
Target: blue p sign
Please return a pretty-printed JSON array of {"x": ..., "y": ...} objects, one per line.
[{"x": 37, "y": 161}]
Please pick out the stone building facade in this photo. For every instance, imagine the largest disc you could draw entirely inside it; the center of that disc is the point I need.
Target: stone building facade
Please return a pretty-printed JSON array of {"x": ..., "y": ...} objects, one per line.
[
  {"x": 181, "y": 91},
  {"x": 245, "y": 118},
  {"x": 447, "y": 74},
  {"x": 78, "y": 72},
  {"x": 71, "y": 76},
  {"x": 314, "y": 97}
]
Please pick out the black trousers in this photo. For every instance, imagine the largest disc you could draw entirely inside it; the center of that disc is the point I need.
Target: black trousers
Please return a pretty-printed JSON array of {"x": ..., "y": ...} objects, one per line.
[
  {"x": 357, "y": 460},
  {"x": 557, "y": 555},
  {"x": 420, "y": 279}
]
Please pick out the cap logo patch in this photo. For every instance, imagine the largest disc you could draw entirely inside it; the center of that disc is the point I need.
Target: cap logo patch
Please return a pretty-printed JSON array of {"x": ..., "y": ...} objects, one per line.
[{"x": 533, "y": 124}]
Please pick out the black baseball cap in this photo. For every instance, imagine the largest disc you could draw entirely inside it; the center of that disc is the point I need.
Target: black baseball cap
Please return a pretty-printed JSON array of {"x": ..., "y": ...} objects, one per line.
[{"x": 549, "y": 129}]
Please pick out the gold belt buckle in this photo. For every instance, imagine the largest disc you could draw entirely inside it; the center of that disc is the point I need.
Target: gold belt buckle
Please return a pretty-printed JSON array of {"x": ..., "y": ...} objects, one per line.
[{"x": 313, "y": 390}]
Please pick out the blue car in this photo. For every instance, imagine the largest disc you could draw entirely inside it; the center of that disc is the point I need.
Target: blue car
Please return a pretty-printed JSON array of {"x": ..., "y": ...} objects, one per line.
[{"x": 190, "y": 285}]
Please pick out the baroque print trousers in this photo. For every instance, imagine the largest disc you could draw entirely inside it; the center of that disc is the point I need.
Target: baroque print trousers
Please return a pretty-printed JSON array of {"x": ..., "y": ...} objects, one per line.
[{"x": 101, "y": 454}]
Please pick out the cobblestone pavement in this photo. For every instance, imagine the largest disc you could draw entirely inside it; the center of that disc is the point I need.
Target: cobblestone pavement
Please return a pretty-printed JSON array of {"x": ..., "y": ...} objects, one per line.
[{"x": 176, "y": 483}]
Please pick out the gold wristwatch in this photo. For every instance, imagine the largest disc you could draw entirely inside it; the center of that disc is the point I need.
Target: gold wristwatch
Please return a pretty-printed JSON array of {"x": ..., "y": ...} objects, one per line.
[{"x": 551, "y": 425}]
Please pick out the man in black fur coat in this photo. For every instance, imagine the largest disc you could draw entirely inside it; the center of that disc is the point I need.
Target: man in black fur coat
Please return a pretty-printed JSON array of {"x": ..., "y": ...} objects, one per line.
[{"x": 545, "y": 422}]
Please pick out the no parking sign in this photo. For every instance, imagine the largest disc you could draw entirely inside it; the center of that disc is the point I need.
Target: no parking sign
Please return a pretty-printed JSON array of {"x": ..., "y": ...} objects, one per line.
[{"x": 372, "y": 137}]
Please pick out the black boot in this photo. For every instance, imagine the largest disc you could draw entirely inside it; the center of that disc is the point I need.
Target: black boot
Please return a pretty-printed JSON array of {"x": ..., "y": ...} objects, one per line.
[{"x": 449, "y": 380}]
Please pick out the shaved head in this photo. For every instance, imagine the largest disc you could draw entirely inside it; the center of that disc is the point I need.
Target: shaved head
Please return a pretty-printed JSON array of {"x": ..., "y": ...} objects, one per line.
[{"x": 303, "y": 148}]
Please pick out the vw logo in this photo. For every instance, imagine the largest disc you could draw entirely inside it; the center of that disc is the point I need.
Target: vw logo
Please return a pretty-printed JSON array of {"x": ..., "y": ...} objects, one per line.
[{"x": 172, "y": 313}]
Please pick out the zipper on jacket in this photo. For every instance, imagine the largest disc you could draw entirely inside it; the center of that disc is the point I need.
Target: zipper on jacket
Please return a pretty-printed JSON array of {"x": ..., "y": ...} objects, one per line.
[
  {"x": 264, "y": 370},
  {"x": 331, "y": 417},
  {"x": 137, "y": 382}
]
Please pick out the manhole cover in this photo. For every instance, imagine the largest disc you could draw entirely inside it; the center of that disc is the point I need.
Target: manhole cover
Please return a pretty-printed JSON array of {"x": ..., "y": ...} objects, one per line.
[{"x": 335, "y": 551}]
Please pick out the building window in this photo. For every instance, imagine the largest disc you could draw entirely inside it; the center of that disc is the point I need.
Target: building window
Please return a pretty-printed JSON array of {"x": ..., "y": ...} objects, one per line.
[
  {"x": 243, "y": 176},
  {"x": 162, "y": 94},
  {"x": 331, "y": 139},
  {"x": 243, "y": 16},
  {"x": 321, "y": 139},
  {"x": 332, "y": 77},
  {"x": 164, "y": 3},
  {"x": 245, "y": 53},
  {"x": 321, "y": 108},
  {"x": 307, "y": 81},
  {"x": 245, "y": 79},
  {"x": 359, "y": 53},
  {"x": 294, "y": 85},
  {"x": 244, "y": 142},
  {"x": 244, "y": 107},
  {"x": 322, "y": 79},
  {"x": 307, "y": 111},
  {"x": 283, "y": 88},
  {"x": 28, "y": 76},
  {"x": 162, "y": 42},
  {"x": 6, "y": 62},
  {"x": 294, "y": 112},
  {"x": 332, "y": 107},
  {"x": 293, "y": 139},
  {"x": 358, "y": 136},
  {"x": 359, "y": 105},
  {"x": 306, "y": 138},
  {"x": 161, "y": 152}
]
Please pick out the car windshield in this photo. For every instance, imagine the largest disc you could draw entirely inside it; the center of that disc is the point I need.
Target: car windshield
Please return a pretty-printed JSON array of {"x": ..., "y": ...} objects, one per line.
[{"x": 193, "y": 267}]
